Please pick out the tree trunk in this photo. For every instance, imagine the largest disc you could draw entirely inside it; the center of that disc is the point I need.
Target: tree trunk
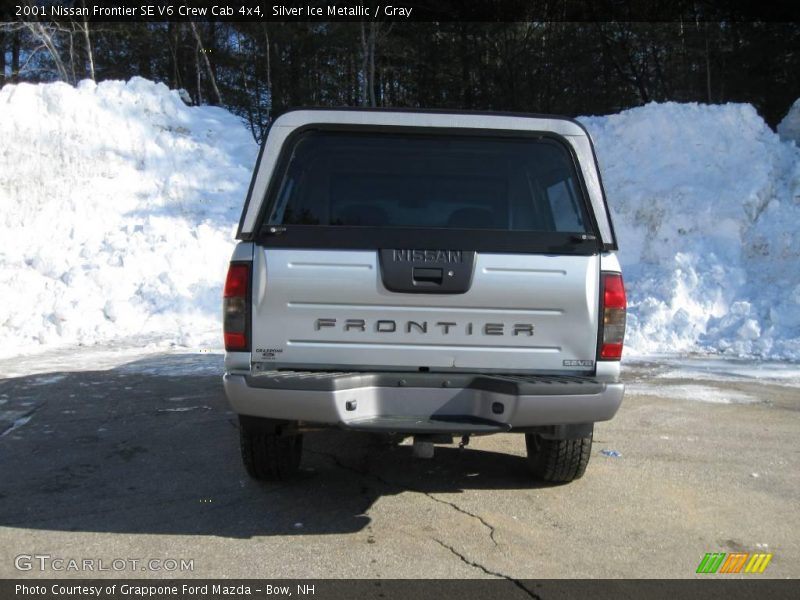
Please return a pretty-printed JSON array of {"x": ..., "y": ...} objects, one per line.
[
  {"x": 72, "y": 56},
  {"x": 15, "y": 56},
  {"x": 466, "y": 84},
  {"x": 708, "y": 65},
  {"x": 3, "y": 37},
  {"x": 250, "y": 107},
  {"x": 197, "y": 72},
  {"x": 87, "y": 37},
  {"x": 364, "y": 65},
  {"x": 352, "y": 77},
  {"x": 172, "y": 40},
  {"x": 202, "y": 51},
  {"x": 269, "y": 75},
  {"x": 372, "y": 26}
]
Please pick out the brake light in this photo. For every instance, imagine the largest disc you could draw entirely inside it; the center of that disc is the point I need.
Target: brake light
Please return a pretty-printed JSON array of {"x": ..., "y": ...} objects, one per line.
[
  {"x": 236, "y": 307},
  {"x": 613, "y": 313}
]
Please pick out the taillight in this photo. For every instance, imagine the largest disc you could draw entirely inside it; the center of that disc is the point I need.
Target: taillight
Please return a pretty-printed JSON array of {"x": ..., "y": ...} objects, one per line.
[
  {"x": 236, "y": 307},
  {"x": 613, "y": 315}
]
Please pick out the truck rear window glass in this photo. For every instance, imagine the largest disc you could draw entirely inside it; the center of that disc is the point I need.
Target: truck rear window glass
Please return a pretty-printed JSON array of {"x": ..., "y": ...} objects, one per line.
[{"x": 437, "y": 181}]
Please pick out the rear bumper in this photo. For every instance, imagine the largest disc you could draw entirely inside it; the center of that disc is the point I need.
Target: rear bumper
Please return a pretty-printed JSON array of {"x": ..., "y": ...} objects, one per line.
[{"x": 373, "y": 401}]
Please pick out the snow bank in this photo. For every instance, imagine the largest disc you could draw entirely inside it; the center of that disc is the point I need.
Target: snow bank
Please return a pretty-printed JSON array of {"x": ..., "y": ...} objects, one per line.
[
  {"x": 706, "y": 205},
  {"x": 789, "y": 127},
  {"x": 118, "y": 206},
  {"x": 117, "y": 212}
]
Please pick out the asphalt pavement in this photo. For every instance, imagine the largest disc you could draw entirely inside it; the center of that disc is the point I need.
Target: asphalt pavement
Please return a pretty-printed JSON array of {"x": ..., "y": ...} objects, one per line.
[{"x": 130, "y": 466}]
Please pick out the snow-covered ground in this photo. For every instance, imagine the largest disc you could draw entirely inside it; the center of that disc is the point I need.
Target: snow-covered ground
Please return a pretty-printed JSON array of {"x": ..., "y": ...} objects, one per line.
[
  {"x": 789, "y": 127},
  {"x": 118, "y": 207},
  {"x": 117, "y": 212},
  {"x": 706, "y": 202},
  {"x": 714, "y": 379}
]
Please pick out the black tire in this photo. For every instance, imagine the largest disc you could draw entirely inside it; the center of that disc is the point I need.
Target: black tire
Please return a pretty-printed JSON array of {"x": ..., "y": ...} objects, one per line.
[
  {"x": 558, "y": 461},
  {"x": 269, "y": 454}
]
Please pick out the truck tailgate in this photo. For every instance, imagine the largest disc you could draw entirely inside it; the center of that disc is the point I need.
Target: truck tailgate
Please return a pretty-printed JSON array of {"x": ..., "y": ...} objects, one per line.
[{"x": 330, "y": 309}]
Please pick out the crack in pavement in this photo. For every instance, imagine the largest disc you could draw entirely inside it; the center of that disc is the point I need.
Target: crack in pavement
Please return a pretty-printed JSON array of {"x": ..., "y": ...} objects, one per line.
[
  {"x": 476, "y": 565},
  {"x": 464, "y": 511},
  {"x": 367, "y": 473},
  {"x": 461, "y": 510},
  {"x": 428, "y": 495}
]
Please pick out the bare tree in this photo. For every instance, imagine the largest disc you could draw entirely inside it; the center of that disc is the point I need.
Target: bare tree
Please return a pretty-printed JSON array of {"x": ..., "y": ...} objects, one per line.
[
  {"x": 88, "y": 40},
  {"x": 630, "y": 63},
  {"x": 372, "y": 27},
  {"x": 173, "y": 35},
  {"x": 708, "y": 62},
  {"x": 15, "y": 43},
  {"x": 365, "y": 54},
  {"x": 64, "y": 50},
  {"x": 371, "y": 36},
  {"x": 269, "y": 73},
  {"x": 71, "y": 42},
  {"x": 3, "y": 37},
  {"x": 44, "y": 34},
  {"x": 202, "y": 50},
  {"x": 197, "y": 54},
  {"x": 11, "y": 32}
]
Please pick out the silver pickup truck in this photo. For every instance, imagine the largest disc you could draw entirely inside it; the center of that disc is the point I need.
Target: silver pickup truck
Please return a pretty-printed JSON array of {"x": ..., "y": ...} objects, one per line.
[{"x": 426, "y": 274}]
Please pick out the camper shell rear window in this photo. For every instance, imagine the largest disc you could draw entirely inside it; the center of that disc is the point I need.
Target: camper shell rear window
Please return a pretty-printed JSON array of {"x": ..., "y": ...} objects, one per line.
[{"x": 467, "y": 188}]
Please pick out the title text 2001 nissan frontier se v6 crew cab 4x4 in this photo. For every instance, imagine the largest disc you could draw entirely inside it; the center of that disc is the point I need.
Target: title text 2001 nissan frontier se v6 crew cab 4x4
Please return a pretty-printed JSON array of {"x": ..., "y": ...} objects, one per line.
[{"x": 424, "y": 273}]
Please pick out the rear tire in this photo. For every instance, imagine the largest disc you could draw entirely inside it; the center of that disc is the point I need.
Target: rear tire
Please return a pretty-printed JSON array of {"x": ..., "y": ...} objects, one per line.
[
  {"x": 558, "y": 461},
  {"x": 269, "y": 453}
]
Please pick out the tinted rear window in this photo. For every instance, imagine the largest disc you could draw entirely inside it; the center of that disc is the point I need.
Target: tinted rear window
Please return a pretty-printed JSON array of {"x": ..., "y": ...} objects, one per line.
[{"x": 391, "y": 180}]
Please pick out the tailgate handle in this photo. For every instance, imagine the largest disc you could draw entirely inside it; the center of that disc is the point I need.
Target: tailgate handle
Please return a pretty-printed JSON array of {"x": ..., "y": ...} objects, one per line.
[
  {"x": 427, "y": 276},
  {"x": 425, "y": 271}
]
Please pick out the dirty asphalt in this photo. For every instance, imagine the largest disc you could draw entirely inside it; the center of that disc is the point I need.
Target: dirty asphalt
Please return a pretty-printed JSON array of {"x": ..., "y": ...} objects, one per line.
[{"x": 120, "y": 464}]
